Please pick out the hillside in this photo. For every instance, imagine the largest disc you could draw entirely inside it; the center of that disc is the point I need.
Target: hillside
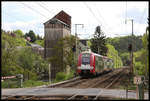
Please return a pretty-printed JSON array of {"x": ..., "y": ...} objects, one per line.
[{"x": 121, "y": 43}]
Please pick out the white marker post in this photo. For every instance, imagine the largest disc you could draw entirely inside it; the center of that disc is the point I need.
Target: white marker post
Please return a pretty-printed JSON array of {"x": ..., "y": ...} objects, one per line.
[{"x": 50, "y": 73}]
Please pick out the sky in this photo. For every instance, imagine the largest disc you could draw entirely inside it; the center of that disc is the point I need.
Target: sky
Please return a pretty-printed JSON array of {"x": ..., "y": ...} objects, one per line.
[{"x": 110, "y": 16}]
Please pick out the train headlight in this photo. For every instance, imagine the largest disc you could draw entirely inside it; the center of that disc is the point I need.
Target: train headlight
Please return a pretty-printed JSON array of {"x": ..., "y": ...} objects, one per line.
[{"x": 91, "y": 67}]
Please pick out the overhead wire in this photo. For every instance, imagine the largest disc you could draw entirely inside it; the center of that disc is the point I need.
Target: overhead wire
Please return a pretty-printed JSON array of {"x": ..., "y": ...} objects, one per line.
[
  {"x": 142, "y": 16},
  {"x": 45, "y": 8},
  {"x": 126, "y": 17},
  {"x": 38, "y": 11},
  {"x": 51, "y": 10},
  {"x": 108, "y": 27},
  {"x": 95, "y": 16},
  {"x": 101, "y": 15},
  {"x": 33, "y": 9},
  {"x": 35, "y": 12}
]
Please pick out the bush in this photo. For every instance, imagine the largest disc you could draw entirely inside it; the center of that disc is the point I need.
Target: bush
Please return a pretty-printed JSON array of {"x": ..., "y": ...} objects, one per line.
[
  {"x": 70, "y": 75},
  {"x": 60, "y": 76}
]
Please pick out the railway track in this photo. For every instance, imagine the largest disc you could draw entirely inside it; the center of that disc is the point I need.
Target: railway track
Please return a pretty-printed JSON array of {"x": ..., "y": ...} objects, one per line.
[
  {"x": 109, "y": 78},
  {"x": 103, "y": 81},
  {"x": 51, "y": 97}
]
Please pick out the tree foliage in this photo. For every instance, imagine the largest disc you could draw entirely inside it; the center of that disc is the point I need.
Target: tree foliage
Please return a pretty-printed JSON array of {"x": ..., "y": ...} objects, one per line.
[
  {"x": 113, "y": 54},
  {"x": 141, "y": 59},
  {"x": 121, "y": 43},
  {"x": 21, "y": 60},
  {"x": 125, "y": 58},
  {"x": 9, "y": 55},
  {"x": 18, "y": 33},
  {"x": 98, "y": 43},
  {"x": 32, "y": 35}
]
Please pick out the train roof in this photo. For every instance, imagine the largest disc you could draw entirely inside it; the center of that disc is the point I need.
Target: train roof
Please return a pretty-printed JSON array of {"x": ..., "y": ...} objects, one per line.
[
  {"x": 105, "y": 57},
  {"x": 92, "y": 53}
]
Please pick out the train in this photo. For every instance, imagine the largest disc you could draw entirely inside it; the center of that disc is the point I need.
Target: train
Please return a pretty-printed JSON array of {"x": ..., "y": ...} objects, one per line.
[{"x": 92, "y": 64}]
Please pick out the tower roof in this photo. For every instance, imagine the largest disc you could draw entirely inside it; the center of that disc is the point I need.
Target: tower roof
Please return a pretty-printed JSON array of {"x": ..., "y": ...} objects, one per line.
[{"x": 64, "y": 17}]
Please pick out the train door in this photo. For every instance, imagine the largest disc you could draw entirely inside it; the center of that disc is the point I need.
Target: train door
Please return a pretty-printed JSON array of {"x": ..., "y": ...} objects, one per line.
[
  {"x": 96, "y": 64},
  {"x": 105, "y": 63},
  {"x": 101, "y": 63}
]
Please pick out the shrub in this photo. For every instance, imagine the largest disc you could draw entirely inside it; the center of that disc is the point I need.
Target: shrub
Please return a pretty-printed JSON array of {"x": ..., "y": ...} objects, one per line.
[
  {"x": 70, "y": 75},
  {"x": 60, "y": 76}
]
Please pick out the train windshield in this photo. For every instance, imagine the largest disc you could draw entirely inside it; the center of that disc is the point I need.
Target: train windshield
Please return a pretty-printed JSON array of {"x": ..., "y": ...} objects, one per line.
[{"x": 86, "y": 59}]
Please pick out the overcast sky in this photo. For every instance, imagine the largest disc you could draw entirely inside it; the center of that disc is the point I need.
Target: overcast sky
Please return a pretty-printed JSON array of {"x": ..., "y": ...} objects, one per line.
[{"x": 109, "y": 15}]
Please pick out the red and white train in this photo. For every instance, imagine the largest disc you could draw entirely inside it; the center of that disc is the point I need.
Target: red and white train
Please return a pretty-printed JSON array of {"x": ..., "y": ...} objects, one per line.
[{"x": 90, "y": 63}]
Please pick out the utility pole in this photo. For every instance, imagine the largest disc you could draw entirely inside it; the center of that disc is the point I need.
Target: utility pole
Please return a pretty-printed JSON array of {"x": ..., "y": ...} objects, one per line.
[
  {"x": 76, "y": 54},
  {"x": 132, "y": 50},
  {"x": 146, "y": 68},
  {"x": 131, "y": 53},
  {"x": 147, "y": 54}
]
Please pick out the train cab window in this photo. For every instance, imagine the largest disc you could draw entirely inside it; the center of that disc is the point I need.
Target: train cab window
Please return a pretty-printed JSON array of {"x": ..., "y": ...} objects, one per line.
[{"x": 85, "y": 59}]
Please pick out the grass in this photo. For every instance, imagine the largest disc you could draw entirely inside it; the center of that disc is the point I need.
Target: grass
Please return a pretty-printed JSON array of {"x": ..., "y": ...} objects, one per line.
[
  {"x": 32, "y": 83},
  {"x": 27, "y": 83},
  {"x": 61, "y": 76}
]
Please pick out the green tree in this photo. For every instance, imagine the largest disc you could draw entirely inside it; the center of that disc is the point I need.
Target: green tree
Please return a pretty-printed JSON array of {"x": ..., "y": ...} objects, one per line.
[
  {"x": 25, "y": 60},
  {"x": 113, "y": 54},
  {"x": 21, "y": 60},
  {"x": 34, "y": 66},
  {"x": 9, "y": 64},
  {"x": 19, "y": 33},
  {"x": 125, "y": 58},
  {"x": 141, "y": 60},
  {"x": 31, "y": 34},
  {"x": 41, "y": 67},
  {"x": 145, "y": 55},
  {"x": 98, "y": 43},
  {"x": 121, "y": 43}
]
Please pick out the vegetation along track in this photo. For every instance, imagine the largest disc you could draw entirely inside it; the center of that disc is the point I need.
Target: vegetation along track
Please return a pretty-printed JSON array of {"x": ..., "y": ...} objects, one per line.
[{"x": 102, "y": 81}]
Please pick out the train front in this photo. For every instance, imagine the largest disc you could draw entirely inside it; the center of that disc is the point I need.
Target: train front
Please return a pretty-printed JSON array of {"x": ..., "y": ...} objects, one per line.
[{"x": 86, "y": 64}]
